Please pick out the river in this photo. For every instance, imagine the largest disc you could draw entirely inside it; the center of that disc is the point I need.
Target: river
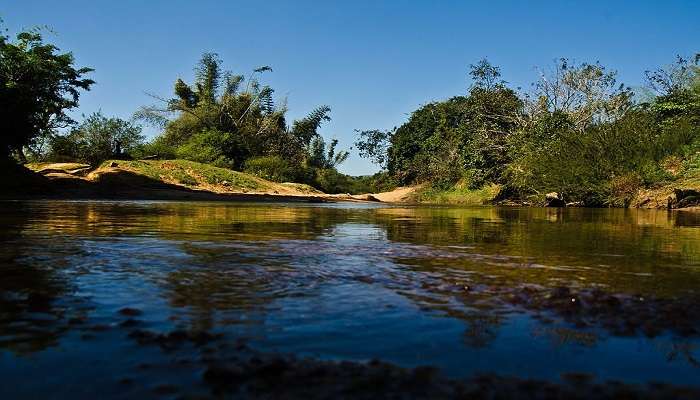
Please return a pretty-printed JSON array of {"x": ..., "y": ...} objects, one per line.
[{"x": 526, "y": 292}]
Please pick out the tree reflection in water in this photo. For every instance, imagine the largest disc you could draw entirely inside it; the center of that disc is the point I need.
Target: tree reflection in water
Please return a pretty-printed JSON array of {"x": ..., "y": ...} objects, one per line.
[
  {"x": 579, "y": 274},
  {"x": 37, "y": 305}
]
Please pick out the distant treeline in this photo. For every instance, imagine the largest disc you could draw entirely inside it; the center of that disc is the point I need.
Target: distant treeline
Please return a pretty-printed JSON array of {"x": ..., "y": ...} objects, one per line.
[{"x": 577, "y": 133}]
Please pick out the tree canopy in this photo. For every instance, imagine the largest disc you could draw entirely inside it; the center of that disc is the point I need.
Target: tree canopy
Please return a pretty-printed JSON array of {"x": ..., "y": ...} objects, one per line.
[
  {"x": 96, "y": 139},
  {"x": 226, "y": 118},
  {"x": 38, "y": 84},
  {"x": 578, "y": 132}
]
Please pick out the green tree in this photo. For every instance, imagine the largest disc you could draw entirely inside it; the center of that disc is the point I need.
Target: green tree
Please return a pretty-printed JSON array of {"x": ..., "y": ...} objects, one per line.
[
  {"x": 373, "y": 144},
  {"x": 325, "y": 156},
  {"x": 98, "y": 138},
  {"x": 38, "y": 84},
  {"x": 461, "y": 138},
  {"x": 249, "y": 121},
  {"x": 587, "y": 93},
  {"x": 677, "y": 91},
  {"x": 584, "y": 139}
]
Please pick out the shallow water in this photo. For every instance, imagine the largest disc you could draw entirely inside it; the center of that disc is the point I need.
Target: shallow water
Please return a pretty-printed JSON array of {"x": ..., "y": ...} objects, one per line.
[{"x": 533, "y": 293}]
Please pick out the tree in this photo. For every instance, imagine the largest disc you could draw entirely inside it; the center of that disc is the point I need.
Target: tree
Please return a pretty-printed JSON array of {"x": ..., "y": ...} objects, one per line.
[
  {"x": 98, "y": 138},
  {"x": 325, "y": 156},
  {"x": 374, "y": 145},
  {"x": 38, "y": 84},
  {"x": 675, "y": 77},
  {"x": 485, "y": 75},
  {"x": 587, "y": 93},
  {"x": 677, "y": 89},
  {"x": 461, "y": 138},
  {"x": 494, "y": 114},
  {"x": 249, "y": 121}
]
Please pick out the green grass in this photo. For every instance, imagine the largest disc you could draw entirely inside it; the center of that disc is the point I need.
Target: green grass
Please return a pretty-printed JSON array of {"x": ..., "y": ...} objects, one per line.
[
  {"x": 458, "y": 195},
  {"x": 192, "y": 173},
  {"x": 302, "y": 187},
  {"x": 38, "y": 167}
]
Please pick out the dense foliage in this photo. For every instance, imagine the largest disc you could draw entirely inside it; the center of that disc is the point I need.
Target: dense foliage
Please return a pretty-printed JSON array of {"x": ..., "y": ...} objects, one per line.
[
  {"x": 38, "y": 84},
  {"x": 230, "y": 121},
  {"x": 577, "y": 133},
  {"x": 96, "y": 139}
]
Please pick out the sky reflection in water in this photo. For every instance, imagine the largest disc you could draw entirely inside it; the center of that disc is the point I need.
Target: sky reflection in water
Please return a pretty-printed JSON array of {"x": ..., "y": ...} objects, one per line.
[{"x": 526, "y": 292}]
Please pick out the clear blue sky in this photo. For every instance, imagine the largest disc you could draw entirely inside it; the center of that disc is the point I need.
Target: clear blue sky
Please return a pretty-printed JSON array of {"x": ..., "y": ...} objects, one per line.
[{"x": 372, "y": 62}]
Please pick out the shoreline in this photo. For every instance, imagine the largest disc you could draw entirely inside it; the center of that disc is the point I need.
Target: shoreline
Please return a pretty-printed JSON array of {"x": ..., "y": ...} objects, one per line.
[
  {"x": 205, "y": 196},
  {"x": 120, "y": 181},
  {"x": 56, "y": 182}
]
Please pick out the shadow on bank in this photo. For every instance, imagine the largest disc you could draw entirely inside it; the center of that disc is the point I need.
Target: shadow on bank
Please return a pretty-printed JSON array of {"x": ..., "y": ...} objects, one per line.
[{"x": 22, "y": 183}]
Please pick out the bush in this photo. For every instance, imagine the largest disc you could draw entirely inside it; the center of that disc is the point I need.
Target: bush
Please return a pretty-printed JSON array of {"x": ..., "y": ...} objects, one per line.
[
  {"x": 604, "y": 165},
  {"x": 212, "y": 147},
  {"x": 97, "y": 139},
  {"x": 273, "y": 168},
  {"x": 623, "y": 189},
  {"x": 331, "y": 181},
  {"x": 157, "y": 148},
  {"x": 460, "y": 194},
  {"x": 377, "y": 183}
]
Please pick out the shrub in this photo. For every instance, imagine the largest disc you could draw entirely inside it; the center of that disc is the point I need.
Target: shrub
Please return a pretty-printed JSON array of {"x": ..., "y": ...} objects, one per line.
[
  {"x": 212, "y": 147},
  {"x": 331, "y": 181},
  {"x": 273, "y": 168},
  {"x": 157, "y": 148},
  {"x": 623, "y": 189},
  {"x": 96, "y": 139}
]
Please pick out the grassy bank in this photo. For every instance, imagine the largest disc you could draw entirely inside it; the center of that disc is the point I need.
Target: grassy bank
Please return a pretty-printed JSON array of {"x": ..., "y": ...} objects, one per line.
[
  {"x": 187, "y": 173},
  {"x": 197, "y": 176},
  {"x": 157, "y": 180},
  {"x": 685, "y": 175},
  {"x": 459, "y": 195}
]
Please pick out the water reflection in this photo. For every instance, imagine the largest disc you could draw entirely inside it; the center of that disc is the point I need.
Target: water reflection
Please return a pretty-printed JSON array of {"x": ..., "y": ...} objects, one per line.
[
  {"x": 341, "y": 281},
  {"x": 37, "y": 305}
]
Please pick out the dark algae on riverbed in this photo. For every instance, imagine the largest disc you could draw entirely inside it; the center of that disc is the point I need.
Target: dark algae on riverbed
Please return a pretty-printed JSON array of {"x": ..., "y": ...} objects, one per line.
[{"x": 280, "y": 300}]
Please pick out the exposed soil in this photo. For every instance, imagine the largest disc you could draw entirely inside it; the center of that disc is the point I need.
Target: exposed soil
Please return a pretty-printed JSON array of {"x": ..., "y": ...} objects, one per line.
[
  {"x": 117, "y": 181},
  {"x": 398, "y": 195}
]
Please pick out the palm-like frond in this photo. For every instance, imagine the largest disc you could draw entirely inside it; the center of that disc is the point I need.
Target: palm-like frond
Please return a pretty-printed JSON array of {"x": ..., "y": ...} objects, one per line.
[
  {"x": 267, "y": 103},
  {"x": 306, "y": 128},
  {"x": 208, "y": 74},
  {"x": 233, "y": 82}
]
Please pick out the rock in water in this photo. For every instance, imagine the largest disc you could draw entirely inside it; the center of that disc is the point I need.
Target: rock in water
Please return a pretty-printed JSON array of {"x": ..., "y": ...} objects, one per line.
[
  {"x": 554, "y": 199},
  {"x": 684, "y": 198}
]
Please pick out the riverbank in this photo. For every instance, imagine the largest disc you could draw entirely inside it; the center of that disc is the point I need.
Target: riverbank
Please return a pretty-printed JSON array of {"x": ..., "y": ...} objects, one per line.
[
  {"x": 154, "y": 180},
  {"x": 188, "y": 180},
  {"x": 680, "y": 194}
]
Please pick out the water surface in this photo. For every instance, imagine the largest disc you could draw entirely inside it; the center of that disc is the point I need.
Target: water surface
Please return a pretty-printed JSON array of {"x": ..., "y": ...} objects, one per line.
[{"x": 533, "y": 293}]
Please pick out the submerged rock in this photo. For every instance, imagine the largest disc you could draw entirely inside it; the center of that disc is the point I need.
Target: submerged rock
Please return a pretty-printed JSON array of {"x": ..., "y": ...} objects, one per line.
[
  {"x": 173, "y": 339},
  {"x": 275, "y": 376},
  {"x": 130, "y": 312},
  {"x": 621, "y": 315}
]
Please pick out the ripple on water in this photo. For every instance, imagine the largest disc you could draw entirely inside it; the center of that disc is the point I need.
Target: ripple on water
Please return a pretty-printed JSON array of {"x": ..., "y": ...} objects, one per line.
[{"x": 517, "y": 292}]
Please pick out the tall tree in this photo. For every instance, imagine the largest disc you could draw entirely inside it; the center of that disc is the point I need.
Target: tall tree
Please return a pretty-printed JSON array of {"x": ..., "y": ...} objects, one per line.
[
  {"x": 587, "y": 93},
  {"x": 241, "y": 121},
  {"x": 374, "y": 144},
  {"x": 38, "y": 84},
  {"x": 325, "y": 156}
]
